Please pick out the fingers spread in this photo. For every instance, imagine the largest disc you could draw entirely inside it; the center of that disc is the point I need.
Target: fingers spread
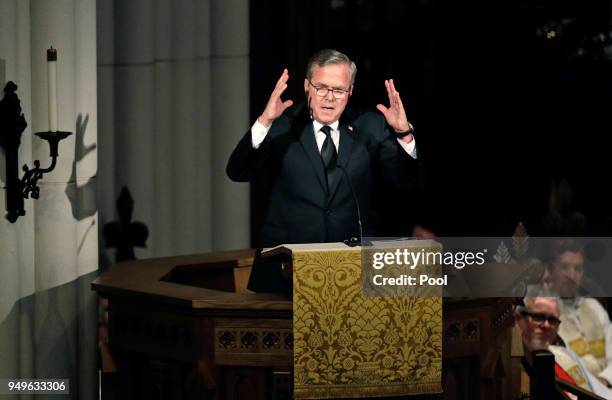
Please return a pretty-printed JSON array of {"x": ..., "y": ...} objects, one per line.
[
  {"x": 399, "y": 102},
  {"x": 392, "y": 85},
  {"x": 282, "y": 81},
  {"x": 389, "y": 92},
  {"x": 287, "y": 104},
  {"x": 284, "y": 77},
  {"x": 395, "y": 94},
  {"x": 278, "y": 91},
  {"x": 382, "y": 109}
]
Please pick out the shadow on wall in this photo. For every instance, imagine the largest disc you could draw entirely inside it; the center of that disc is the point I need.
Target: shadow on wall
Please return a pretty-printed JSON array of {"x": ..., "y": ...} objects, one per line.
[
  {"x": 82, "y": 197},
  {"x": 53, "y": 334},
  {"x": 2, "y": 157},
  {"x": 125, "y": 234},
  {"x": 3, "y": 175}
]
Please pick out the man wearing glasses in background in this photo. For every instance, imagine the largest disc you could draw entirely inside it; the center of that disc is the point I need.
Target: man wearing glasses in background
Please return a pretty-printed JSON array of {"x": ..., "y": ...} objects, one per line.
[
  {"x": 587, "y": 328},
  {"x": 539, "y": 322},
  {"x": 325, "y": 158}
]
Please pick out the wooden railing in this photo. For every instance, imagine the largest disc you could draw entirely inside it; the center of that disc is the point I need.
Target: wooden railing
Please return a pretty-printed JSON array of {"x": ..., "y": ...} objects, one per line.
[{"x": 543, "y": 385}]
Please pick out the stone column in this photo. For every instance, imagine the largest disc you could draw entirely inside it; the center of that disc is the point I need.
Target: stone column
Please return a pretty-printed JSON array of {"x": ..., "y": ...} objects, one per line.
[
  {"x": 164, "y": 174},
  {"x": 85, "y": 213},
  {"x": 184, "y": 111},
  {"x": 204, "y": 126},
  {"x": 66, "y": 214},
  {"x": 230, "y": 111},
  {"x": 134, "y": 110},
  {"x": 106, "y": 195}
]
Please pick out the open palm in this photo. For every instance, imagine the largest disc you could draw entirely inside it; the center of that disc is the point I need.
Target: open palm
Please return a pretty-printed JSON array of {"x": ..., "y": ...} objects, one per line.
[
  {"x": 394, "y": 114},
  {"x": 276, "y": 106}
]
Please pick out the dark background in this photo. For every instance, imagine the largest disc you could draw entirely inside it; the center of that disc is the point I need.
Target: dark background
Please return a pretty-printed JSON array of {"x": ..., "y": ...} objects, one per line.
[{"x": 508, "y": 98}]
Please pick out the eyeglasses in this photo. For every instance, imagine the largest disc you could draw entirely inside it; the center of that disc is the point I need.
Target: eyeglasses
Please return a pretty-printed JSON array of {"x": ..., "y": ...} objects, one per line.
[
  {"x": 539, "y": 318},
  {"x": 322, "y": 91}
]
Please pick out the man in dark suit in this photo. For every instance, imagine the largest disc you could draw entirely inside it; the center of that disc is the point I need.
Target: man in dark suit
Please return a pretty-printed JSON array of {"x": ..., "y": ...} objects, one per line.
[{"x": 319, "y": 149}]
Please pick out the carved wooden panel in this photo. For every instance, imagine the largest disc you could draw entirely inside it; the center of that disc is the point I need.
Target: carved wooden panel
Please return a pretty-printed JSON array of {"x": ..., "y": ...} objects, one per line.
[
  {"x": 258, "y": 342},
  {"x": 462, "y": 331}
]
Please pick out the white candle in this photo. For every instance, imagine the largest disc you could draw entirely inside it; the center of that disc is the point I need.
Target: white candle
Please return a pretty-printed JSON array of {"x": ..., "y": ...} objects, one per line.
[{"x": 52, "y": 78}]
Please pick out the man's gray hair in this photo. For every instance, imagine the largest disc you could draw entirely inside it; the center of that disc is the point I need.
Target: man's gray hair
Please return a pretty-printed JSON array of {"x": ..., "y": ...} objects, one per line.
[
  {"x": 534, "y": 291},
  {"x": 329, "y": 57}
]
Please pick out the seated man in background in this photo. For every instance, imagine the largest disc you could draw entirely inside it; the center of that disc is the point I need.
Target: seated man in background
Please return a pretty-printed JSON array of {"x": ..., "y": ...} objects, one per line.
[
  {"x": 586, "y": 327},
  {"x": 539, "y": 323}
]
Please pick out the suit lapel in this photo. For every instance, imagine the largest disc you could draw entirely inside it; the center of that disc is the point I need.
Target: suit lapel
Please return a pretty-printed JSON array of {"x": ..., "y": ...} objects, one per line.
[
  {"x": 344, "y": 155},
  {"x": 308, "y": 141}
]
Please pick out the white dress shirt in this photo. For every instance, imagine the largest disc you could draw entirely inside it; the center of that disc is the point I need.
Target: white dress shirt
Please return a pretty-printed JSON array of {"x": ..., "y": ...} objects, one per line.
[{"x": 259, "y": 132}]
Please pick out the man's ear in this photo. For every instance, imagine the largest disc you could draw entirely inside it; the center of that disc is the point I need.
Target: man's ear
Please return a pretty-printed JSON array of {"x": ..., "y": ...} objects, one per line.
[
  {"x": 306, "y": 83},
  {"x": 519, "y": 320},
  {"x": 351, "y": 90}
]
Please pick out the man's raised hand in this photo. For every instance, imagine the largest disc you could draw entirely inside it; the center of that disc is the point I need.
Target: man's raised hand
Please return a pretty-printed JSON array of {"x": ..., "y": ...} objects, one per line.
[
  {"x": 394, "y": 114},
  {"x": 276, "y": 106}
]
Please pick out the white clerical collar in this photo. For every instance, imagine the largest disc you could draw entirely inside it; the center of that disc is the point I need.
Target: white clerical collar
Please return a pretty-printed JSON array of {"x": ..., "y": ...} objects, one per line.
[{"x": 317, "y": 125}]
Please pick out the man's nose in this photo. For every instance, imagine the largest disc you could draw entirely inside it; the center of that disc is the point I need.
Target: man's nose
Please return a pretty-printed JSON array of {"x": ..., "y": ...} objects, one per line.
[
  {"x": 573, "y": 275},
  {"x": 329, "y": 95}
]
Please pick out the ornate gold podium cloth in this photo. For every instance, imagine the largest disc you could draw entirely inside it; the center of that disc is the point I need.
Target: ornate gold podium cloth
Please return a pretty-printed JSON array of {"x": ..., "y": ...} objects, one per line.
[{"x": 347, "y": 345}]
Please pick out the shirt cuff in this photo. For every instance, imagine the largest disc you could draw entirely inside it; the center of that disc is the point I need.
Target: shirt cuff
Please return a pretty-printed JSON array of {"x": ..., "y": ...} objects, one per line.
[
  {"x": 258, "y": 134},
  {"x": 409, "y": 148}
]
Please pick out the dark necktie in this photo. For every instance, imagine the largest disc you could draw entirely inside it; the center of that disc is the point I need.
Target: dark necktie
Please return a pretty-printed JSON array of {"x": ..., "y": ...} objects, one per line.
[{"x": 328, "y": 156}]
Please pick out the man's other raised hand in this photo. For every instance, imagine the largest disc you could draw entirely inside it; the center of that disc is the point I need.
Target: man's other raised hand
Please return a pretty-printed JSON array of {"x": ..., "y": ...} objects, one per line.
[
  {"x": 276, "y": 106},
  {"x": 394, "y": 114}
]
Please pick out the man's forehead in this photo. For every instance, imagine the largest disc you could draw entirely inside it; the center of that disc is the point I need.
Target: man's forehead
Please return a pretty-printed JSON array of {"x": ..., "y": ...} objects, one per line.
[
  {"x": 571, "y": 256},
  {"x": 545, "y": 305},
  {"x": 331, "y": 66},
  {"x": 331, "y": 71}
]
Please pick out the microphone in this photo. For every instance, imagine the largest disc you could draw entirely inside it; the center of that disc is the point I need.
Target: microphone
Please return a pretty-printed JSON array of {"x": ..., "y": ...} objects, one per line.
[
  {"x": 353, "y": 241},
  {"x": 309, "y": 108}
]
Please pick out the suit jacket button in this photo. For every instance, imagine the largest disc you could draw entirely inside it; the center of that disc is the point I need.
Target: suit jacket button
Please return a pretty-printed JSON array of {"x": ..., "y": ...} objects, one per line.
[{"x": 327, "y": 212}]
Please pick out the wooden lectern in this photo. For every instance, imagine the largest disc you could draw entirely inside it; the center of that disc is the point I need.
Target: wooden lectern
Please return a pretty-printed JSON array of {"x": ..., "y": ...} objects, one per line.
[{"x": 186, "y": 327}]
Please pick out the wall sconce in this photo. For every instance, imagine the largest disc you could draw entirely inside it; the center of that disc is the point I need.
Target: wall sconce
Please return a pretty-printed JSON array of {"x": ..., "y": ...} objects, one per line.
[{"x": 12, "y": 125}]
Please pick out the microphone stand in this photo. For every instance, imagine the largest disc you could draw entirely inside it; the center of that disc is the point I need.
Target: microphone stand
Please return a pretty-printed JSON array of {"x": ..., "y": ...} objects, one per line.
[{"x": 353, "y": 241}]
